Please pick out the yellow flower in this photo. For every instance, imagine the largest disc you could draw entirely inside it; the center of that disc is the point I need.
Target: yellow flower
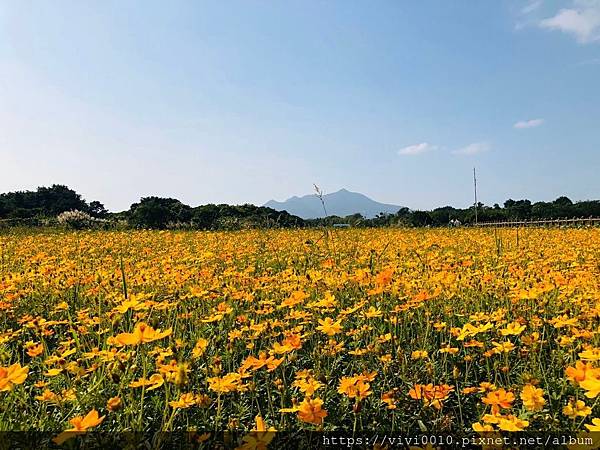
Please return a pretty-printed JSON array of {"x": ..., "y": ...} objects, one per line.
[
  {"x": 512, "y": 423},
  {"x": 329, "y": 327},
  {"x": 514, "y": 328},
  {"x": 503, "y": 347},
  {"x": 592, "y": 354},
  {"x": 595, "y": 425},
  {"x": 419, "y": 354},
  {"x": 533, "y": 398},
  {"x": 131, "y": 303},
  {"x": 576, "y": 408},
  {"x": 48, "y": 396},
  {"x": 449, "y": 349},
  {"x": 199, "y": 348},
  {"x": 185, "y": 401},
  {"x": 11, "y": 376},
  {"x": 154, "y": 382},
  {"x": 260, "y": 437},
  {"x": 142, "y": 333},
  {"x": 373, "y": 313},
  {"x": 482, "y": 428}
]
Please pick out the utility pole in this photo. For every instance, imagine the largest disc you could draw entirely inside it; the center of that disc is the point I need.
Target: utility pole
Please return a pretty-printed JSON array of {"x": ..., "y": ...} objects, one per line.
[{"x": 475, "y": 187}]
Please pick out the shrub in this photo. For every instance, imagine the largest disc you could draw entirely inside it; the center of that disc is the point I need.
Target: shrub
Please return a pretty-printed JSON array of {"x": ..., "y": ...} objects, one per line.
[{"x": 76, "y": 219}]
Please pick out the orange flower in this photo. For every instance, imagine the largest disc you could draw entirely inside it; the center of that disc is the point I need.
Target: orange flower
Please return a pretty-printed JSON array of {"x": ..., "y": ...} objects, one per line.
[
  {"x": 11, "y": 376},
  {"x": 307, "y": 385},
  {"x": 355, "y": 387},
  {"x": 384, "y": 277},
  {"x": 346, "y": 385},
  {"x": 229, "y": 383},
  {"x": 80, "y": 426},
  {"x": 175, "y": 372},
  {"x": 431, "y": 395},
  {"x": 295, "y": 298},
  {"x": 142, "y": 333},
  {"x": 499, "y": 399},
  {"x": 310, "y": 411},
  {"x": 114, "y": 404},
  {"x": 290, "y": 343},
  {"x": 34, "y": 349},
  {"x": 258, "y": 363},
  {"x": 389, "y": 399},
  {"x": 580, "y": 372}
]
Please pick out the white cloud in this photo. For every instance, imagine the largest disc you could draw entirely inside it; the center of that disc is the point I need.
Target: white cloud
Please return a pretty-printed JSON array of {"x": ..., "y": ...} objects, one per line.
[
  {"x": 531, "y": 6},
  {"x": 582, "y": 21},
  {"x": 417, "y": 149},
  {"x": 529, "y": 14},
  {"x": 529, "y": 123},
  {"x": 473, "y": 149}
]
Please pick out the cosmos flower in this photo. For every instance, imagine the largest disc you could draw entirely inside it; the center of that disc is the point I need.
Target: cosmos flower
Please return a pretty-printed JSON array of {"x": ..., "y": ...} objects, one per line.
[
  {"x": 80, "y": 426},
  {"x": 532, "y": 397},
  {"x": 11, "y": 376},
  {"x": 114, "y": 404},
  {"x": 142, "y": 333},
  {"x": 576, "y": 408},
  {"x": 498, "y": 399},
  {"x": 311, "y": 411},
  {"x": 329, "y": 326}
]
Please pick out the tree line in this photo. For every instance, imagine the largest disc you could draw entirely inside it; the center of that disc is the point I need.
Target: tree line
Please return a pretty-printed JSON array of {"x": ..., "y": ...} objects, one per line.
[
  {"x": 562, "y": 207},
  {"x": 47, "y": 203}
]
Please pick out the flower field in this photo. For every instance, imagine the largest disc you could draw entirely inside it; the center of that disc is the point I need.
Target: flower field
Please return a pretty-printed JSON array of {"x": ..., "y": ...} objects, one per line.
[{"x": 446, "y": 330}]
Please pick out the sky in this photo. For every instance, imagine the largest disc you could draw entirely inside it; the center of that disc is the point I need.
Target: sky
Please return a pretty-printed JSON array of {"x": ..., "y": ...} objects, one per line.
[{"x": 246, "y": 101}]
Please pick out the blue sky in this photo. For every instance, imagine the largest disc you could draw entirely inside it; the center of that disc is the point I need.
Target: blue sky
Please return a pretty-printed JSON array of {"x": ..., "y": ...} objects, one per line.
[{"x": 246, "y": 101}]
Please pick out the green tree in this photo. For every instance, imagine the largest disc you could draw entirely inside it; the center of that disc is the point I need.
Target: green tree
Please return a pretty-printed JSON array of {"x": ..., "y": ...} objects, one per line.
[{"x": 158, "y": 213}]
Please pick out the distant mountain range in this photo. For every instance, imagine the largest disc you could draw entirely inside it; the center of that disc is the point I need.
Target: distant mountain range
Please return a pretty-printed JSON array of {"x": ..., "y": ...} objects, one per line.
[{"x": 341, "y": 203}]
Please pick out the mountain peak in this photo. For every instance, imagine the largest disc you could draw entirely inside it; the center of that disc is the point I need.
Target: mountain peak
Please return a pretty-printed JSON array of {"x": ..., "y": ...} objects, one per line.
[{"x": 340, "y": 203}]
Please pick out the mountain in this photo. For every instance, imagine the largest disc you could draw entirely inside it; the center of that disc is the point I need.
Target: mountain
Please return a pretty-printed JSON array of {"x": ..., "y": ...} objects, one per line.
[{"x": 341, "y": 203}]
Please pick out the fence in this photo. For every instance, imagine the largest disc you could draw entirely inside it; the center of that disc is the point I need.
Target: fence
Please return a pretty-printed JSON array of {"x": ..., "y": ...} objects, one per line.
[{"x": 574, "y": 222}]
